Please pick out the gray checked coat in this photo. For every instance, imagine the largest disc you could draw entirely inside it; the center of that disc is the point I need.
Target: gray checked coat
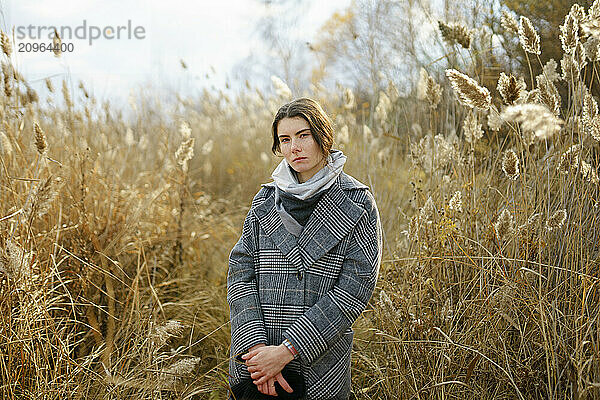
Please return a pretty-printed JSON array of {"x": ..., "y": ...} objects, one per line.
[{"x": 309, "y": 289}]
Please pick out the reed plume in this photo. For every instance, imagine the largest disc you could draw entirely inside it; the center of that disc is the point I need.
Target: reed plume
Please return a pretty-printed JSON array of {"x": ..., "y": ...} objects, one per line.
[
  {"x": 49, "y": 85},
  {"x": 348, "y": 99},
  {"x": 455, "y": 203},
  {"x": 579, "y": 56},
  {"x": 6, "y": 146},
  {"x": 510, "y": 88},
  {"x": 83, "y": 90},
  {"x": 592, "y": 127},
  {"x": 594, "y": 10},
  {"x": 548, "y": 94},
  {"x": 578, "y": 12},
  {"x": 185, "y": 131},
  {"x": 471, "y": 129},
  {"x": 510, "y": 165},
  {"x": 528, "y": 36},
  {"x": 504, "y": 226},
  {"x": 454, "y": 33},
  {"x": 556, "y": 220},
  {"x": 160, "y": 334},
  {"x": 185, "y": 152},
  {"x": 532, "y": 96},
  {"x": 56, "y": 44},
  {"x": 494, "y": 122},
  {"x": 66, "y": 94},
  {"x": 569, "y": 69},
  {"x": 590, "y": 25},
  {"x": 549, "y": 71},
  {"x": 535, "y": 118},
  {"x": 413, "y": 228},
  {"x": 5, "y": 42},
  {"x": 383, "y": 107},
  {"x": 180, "y": 368},
  {"x": 590, "y": 108},
  {"x": 569, "y": 159},
  {"x": 468, "y": 90},
  {"x": 530, "y": 225},
  {"x": 428, "y": 89},
  {"x": 509, "y": 23},
  {"x": 591, "y": 46},
  {"x": 427, "y": 211},
  {"x": 207, "y": 147},
  {"x": 569, "y": 33},
  {"x": 7, "y": 76},
  {"x": 17, "y": 262},
  {"x": 40, "y": 139},
  {"x": 588, "y": 172},
  {"x": 281, "y": 88},
  {"x": 42, "y": 197}
]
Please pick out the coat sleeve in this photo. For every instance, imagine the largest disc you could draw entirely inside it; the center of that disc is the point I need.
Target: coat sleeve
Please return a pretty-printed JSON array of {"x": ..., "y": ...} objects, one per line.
[
  {"x": 322, "y": 324},
  {"x": 247, "y": 326}
]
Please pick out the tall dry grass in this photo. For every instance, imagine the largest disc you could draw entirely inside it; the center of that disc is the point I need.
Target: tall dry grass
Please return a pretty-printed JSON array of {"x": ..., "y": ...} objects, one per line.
[
  {"x": 493, "y": 291},
  {"x": 115, "y": 231}
]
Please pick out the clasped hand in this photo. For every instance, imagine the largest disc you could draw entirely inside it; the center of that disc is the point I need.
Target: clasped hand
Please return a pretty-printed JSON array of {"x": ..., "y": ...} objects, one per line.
[{"x": 265, "y": 364}]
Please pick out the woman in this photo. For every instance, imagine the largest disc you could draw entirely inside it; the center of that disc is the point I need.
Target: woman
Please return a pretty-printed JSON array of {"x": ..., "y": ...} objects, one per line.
[{"x": 305, "y": 265}]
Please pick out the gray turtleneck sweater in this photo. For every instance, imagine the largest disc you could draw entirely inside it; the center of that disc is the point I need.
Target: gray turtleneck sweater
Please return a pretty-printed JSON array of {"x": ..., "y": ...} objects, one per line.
[{"x": 300, "y": 209}]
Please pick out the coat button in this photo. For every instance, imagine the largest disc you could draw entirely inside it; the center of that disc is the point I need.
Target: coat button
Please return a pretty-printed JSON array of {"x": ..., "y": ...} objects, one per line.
[{"x": 299, "y": 275}]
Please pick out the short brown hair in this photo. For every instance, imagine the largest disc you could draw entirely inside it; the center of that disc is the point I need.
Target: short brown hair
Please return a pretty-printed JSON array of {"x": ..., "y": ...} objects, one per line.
[{"x": 319, "y": 122}]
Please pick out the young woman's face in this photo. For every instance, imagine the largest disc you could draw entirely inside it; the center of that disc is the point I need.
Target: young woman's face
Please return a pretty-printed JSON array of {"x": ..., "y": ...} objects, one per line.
[{"x": 299, "y": 147}]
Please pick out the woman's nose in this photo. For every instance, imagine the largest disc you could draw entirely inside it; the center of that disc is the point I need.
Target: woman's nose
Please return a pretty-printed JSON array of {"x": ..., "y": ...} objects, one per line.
[{"x": 295, "y": 145}]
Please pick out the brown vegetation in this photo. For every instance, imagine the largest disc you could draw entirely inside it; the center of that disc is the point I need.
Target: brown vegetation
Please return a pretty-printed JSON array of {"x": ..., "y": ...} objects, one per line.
[{"x": 115, "y": 232}]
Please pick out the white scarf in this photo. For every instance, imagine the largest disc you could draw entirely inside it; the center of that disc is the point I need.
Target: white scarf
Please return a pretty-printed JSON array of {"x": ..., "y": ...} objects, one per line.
[{"x": 285, "y": 179}]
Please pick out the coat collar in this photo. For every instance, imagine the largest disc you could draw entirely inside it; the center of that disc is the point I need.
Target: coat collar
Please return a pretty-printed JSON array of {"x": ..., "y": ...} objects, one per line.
[{"x": 333, "y": 217}]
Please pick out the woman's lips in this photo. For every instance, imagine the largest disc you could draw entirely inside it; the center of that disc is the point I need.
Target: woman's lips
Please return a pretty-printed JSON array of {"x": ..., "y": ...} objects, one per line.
[{"x": 299, "y": 159}]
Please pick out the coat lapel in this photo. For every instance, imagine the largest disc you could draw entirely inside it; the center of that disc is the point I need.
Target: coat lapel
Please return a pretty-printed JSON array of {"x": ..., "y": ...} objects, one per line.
[
  {"x": 332, "y": 219},
  {"x": 270, "y": 221}
]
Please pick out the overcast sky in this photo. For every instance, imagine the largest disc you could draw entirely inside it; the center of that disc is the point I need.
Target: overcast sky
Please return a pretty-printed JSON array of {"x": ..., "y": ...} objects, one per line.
[{"x": 207, "y": 35}]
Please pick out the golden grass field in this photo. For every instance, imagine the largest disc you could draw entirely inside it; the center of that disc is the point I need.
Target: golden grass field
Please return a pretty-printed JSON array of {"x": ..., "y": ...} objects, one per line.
[{"x": 115, "y": 232}]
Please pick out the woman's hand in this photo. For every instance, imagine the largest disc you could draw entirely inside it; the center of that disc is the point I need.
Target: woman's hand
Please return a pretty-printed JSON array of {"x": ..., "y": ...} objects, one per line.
[
  {"x": 269, "y": 387},
  {"x": 256, "y": 346},
  {"x": 266, "y": 362}
]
